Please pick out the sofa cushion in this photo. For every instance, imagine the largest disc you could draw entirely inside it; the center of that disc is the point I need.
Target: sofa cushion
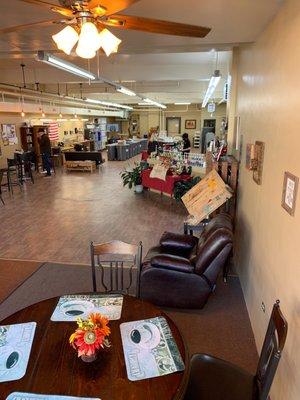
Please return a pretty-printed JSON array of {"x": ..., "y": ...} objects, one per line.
[
  {"x": 175, "y": 243},
  {"x": 172, "y": 262}
]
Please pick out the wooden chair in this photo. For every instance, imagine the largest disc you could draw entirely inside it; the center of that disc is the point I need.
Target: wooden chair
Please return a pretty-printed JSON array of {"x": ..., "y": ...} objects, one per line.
[
  {"x": 117, "y": 262},
  {"x": 215, "y": 379}
]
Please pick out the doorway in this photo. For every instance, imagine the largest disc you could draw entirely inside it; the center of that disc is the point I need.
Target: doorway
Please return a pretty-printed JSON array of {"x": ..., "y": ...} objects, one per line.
[{"x": 173, "y": 125}]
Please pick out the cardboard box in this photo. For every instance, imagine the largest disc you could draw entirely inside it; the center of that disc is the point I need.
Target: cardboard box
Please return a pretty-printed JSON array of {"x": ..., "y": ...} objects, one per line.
[{"x": 205, "y": 197}]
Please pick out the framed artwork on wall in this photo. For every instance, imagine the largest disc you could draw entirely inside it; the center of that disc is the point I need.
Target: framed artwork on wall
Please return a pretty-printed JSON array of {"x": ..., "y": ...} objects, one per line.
[
  {"x": 289, "y": 192},
  {"x": 9, "y": 134},
  {"x": 190, "y": 124}
]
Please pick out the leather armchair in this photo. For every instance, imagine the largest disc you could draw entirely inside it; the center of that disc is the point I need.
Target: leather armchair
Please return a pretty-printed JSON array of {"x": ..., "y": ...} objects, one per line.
[{"x": 182, "y": 271}]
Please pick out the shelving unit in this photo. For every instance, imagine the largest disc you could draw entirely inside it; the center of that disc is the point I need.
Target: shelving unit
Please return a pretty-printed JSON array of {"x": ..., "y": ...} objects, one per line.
[
  {"x": 29, "y": 140},
  {"x": 196, "y": 142}
]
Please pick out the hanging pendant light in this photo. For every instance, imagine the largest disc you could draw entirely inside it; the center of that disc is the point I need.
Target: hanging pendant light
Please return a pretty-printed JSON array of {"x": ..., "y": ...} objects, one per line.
[{"x": 66, "y": 39}]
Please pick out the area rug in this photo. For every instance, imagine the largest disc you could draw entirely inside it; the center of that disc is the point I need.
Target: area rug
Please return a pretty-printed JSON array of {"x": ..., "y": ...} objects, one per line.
[
  {"x": 222, "y": 328},
  {"x": 13, "y": 273}
]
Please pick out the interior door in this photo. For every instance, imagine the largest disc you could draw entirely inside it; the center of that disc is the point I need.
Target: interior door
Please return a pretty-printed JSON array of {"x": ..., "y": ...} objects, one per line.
[{"x": 173, "y": 125}]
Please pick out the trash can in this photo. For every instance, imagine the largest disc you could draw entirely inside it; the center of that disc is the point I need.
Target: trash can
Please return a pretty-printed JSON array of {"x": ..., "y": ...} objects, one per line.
[
  {"x": 123, "y": 152},
  {"x": 112, "y": 152},
  {"x": 130, "y": 149}
]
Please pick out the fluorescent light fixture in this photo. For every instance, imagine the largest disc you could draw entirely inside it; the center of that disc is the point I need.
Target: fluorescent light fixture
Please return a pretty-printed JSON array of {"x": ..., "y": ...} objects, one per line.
[
  {"x": 61, "y": 119},
  {"x": 66, "y": 39},
  {"x": 154, "y": 103},
  {"x": 122, "y": 89},
  {"x": 213, "y": 83},
  {"x": 109, "y": 104},
  {"x": 182, "y": 103},
  {"x": 64, "y": 65}
]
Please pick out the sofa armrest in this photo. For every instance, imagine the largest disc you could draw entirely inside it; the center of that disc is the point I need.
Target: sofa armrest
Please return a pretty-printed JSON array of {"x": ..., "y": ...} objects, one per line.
[
  {"x": 176, "y": 243},
  {"x": 172, "y": 262}
]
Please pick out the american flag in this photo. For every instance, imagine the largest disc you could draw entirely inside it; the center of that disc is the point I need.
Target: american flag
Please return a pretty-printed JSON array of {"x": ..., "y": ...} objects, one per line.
[{"x": 53, "y": 131}]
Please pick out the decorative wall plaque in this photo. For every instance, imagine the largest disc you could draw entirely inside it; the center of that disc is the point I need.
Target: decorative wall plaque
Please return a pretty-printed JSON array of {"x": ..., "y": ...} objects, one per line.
[
  {"x": 259, "y": 160},
  {"x": 289, "y": 192}
]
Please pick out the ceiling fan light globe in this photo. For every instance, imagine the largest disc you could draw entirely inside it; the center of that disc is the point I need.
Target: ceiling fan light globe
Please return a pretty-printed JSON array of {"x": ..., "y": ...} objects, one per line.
[
  {"x": 89, "y": 33},
  {"x": 66, "y": 39},
  {"x": 85, "y": 51},
  {"x": 109, "y": 42}
]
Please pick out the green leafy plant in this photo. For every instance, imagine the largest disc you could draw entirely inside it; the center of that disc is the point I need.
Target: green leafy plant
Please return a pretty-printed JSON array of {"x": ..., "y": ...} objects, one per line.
[
  {"x": 132, "y": 177},
  {"x": 182, "y": 187}
]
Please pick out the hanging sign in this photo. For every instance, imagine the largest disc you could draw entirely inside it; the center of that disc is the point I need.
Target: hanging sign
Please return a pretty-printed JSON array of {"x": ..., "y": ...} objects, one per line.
[{"x": 211, "y": 107}]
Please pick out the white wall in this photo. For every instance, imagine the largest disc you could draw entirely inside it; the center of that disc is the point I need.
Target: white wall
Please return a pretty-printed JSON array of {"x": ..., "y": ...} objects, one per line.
[{"x": 268, "y": 238}]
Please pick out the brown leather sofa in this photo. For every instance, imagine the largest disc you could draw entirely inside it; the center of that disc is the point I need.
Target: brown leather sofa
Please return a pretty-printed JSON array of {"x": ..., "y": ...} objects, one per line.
[{"x": 182, "y": 271}]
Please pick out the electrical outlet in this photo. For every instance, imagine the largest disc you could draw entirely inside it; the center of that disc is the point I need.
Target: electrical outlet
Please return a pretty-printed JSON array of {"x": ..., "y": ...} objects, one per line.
[{"x": 263, "y": 307}]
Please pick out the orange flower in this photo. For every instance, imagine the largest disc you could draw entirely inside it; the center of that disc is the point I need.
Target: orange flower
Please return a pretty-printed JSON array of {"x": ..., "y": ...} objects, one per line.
[
  {"x": 100, "y": 322},
  {"x": 87, "y": 341},
  {"x": 90, "y": 335}
]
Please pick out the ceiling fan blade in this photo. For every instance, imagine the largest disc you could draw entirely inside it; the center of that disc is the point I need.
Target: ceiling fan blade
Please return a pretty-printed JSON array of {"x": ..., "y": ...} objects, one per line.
[
  {"x": 53, "y": 7},
  {"x": 111, "y": 6},
  {"x": 155, "y": 26},
  {"x": 24, "y": 26}
]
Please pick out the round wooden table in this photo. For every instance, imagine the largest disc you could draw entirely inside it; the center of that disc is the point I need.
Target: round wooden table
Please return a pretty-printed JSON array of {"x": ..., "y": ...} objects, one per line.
[{"x": 54, "y": 367}]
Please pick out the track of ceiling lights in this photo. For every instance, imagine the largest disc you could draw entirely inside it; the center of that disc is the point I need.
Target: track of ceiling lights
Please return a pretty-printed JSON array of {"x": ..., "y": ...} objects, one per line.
[{"x": 74, "y": 69}]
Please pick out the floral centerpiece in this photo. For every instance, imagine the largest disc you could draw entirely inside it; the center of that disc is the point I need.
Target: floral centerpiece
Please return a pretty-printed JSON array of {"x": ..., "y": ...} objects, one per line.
[{"x": 90, "y": 336}]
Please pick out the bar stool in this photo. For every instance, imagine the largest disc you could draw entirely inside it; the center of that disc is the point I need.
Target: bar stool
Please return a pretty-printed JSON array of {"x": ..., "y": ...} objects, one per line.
[{"x": 14, "y": 168}]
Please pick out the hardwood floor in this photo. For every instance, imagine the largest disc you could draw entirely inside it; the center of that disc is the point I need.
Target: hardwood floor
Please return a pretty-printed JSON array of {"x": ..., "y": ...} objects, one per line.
[{"x": 56, "y": 218}]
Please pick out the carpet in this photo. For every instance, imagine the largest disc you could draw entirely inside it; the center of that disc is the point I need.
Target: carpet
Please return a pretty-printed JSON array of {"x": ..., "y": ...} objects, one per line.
[
  {"x": 13, "y": 273},
  {"x": 222, "y": 328}
]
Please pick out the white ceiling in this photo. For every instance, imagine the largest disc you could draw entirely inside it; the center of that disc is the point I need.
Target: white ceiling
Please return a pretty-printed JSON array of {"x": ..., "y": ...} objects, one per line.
[{"x": 143, "y": 57}]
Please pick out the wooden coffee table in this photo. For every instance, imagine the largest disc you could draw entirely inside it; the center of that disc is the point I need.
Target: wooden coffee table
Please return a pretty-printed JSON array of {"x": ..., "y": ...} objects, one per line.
[{"x": 54, "y": 367}]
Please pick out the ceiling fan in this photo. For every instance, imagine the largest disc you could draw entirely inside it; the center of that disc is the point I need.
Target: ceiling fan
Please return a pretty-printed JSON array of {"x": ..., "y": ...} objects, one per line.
[{"x": 87, "y": 21}]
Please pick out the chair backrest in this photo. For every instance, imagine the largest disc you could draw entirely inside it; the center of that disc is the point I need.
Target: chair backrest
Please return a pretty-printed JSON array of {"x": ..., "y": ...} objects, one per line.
[
  {"x": 212, "y": 253},
  {"x": 271, "y": 351},
  {"x": 118, "y": 262}
]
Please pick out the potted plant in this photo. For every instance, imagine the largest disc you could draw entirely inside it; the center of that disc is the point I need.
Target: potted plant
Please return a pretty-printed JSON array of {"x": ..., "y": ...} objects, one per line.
[
  {"x": 133, "y": 178},
  {"x": 182, "y": 187}
]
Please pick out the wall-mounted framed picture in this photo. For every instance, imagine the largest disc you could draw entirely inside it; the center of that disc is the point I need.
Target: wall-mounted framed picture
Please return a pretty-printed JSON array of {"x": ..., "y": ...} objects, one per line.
[
  {"x": 9, "y": 134},
  {"x": 289, "y": 192},
  {"x": 190, "y": 124}
]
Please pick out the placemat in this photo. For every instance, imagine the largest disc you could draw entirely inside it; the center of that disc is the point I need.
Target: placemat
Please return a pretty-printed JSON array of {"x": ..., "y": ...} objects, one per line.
[
  {"x": 31, "y": 396},
  {"x": 149, "y": 349},
  {"x": 70, "y": 307},
  {"x": 15, "y": 346}
]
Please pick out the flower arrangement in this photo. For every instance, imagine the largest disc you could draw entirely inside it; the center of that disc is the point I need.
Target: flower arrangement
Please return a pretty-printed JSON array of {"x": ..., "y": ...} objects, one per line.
[{"x": 91, "y": 335}]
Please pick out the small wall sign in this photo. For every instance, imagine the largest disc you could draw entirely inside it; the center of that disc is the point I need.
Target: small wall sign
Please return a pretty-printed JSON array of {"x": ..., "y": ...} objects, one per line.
[
  {"x": 289, "y": 192},
  {"x": 211, "y": 108}
]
